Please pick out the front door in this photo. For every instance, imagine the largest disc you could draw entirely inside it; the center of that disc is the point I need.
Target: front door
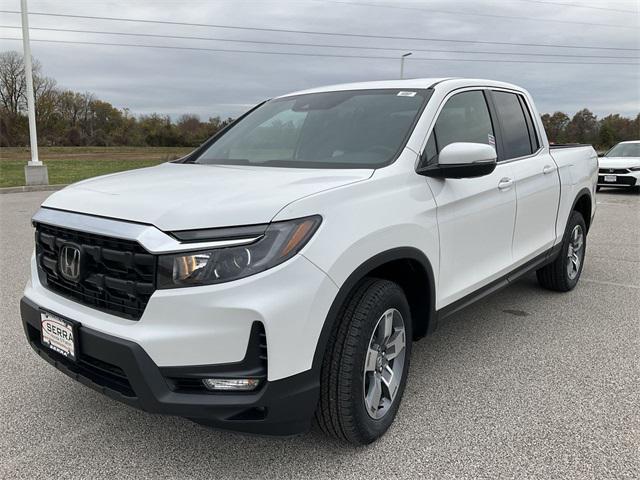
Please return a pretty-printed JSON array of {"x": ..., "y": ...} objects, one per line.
[{"x": 475, "y": 215}]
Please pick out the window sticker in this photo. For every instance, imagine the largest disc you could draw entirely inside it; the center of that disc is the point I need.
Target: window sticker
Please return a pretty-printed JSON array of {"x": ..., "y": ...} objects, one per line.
[
  {"x": 492, "y": 140},
  {"x": 406, "y": 94}
]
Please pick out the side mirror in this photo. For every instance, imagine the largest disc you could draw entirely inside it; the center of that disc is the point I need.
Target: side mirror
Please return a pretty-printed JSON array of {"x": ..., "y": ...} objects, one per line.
[{"x": 463, "y": 160}]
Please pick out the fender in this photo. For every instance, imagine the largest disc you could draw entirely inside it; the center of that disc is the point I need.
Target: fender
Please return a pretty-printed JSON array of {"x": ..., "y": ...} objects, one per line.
[{"x": 400, "y": 253}]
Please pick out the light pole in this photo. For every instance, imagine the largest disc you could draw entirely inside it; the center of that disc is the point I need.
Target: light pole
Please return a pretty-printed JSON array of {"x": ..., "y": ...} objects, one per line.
[
  {"x": 35, "y": 172},
  {"x": 402, "y": 64}
]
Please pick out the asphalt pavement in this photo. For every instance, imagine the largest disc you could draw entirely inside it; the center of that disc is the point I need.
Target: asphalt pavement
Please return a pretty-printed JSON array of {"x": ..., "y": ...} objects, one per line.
[{"x": 524, "y": 384}]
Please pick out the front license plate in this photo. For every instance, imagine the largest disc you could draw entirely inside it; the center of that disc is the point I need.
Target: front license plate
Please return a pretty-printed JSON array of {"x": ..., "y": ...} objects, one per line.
[
  {"x": 610, "y": 178},
  {"x": 58, "y": 334}
]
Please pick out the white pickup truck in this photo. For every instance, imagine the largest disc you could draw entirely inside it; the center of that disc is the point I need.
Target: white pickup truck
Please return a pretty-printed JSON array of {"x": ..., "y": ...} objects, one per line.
[{"x": 281, "y": 271}]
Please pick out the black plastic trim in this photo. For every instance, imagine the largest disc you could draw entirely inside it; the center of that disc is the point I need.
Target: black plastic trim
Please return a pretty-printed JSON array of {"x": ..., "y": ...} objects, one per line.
[
  {"x": 463, "y": 170},
  {"x": 500, "y": 283},
  {"x": 497, "y": 129},
  {"x": 558, "y": 146},
  {"x": 220, "y": 233},
  {"x": 348, "y": 287},
  {"x": 584, "y": 192},
  {"x": 281, "y": 407},
  {"x": 253, "y": 365},
  {"x": 617, "y": 171},
  {"x": 117, "y": 276},
  {"x": 621, "y": 181}
]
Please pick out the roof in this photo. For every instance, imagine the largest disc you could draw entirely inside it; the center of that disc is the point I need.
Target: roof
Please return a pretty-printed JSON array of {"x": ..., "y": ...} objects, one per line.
[
  {"x": 413, "y": 83},
  {"x": 409, "y": 83}
]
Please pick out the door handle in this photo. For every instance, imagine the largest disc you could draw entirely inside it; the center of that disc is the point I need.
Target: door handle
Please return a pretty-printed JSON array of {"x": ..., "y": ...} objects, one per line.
[
  {"x": 505, "y": 183},
  {"x": 547, "y": 169}
]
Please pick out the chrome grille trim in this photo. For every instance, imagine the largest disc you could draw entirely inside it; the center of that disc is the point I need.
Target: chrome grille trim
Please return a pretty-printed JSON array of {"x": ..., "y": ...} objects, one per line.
[{"x": 149, "y": 237}]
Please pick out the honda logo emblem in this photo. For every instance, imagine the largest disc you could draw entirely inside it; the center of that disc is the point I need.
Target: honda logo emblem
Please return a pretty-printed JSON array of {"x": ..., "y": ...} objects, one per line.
[{"x": 69, "y": 262}]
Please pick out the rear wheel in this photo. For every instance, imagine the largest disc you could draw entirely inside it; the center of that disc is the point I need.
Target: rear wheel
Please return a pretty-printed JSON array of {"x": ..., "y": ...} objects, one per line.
[
  {"x": 366, "y": 364},
  {"x": 564, "y": 272}
]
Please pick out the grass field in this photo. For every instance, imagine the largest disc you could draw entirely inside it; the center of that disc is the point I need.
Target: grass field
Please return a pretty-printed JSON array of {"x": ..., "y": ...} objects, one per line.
[{"x": 71, "y": 164}]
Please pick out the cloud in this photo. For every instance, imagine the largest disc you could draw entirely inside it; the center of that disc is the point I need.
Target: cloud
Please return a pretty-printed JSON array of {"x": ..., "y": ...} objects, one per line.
[{"x": 225, "y": 84}]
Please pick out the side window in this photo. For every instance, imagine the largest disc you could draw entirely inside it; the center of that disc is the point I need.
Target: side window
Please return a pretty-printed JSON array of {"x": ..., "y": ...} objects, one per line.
[
  {"x": 464, "y": 118},
  {"x": 514, "y": 128},
  {"x": 533, "y": 136}
]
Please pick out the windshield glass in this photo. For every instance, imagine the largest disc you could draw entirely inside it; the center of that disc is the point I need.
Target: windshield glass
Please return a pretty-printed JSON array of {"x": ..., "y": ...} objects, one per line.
[
  {"x": 625, "y": 150},
  {"x": 348, "y": 129}
]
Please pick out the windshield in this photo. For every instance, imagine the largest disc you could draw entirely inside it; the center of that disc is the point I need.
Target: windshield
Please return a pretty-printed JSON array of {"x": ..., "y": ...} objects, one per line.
[
  {"x": 348, "y": 129},
  {"x": 625, "y": 150}
]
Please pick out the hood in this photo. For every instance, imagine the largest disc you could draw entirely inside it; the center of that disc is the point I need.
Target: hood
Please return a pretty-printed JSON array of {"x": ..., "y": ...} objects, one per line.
[
  {"x": 176, "y": 196},
  {"x": 618, "y": 162}
]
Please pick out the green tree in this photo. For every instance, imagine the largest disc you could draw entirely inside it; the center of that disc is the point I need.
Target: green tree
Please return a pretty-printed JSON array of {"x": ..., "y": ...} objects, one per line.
[
  {"x": 556, "y": 126},
  {"x": 606, "y": 136},
  {"x": 158, "y": 131},
  {"x": 583, "y": 127}
]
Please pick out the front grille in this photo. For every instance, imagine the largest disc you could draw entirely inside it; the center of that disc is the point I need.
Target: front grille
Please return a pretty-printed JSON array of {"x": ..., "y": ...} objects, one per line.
[
  {"x": 117, "y": 276},
  {"x": 614, "y": 170},
  {"x": 262, "y": 346}
]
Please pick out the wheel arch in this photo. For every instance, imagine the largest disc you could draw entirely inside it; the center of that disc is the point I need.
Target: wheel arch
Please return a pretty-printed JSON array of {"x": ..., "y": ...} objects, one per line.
[
  {"x": 583, "y": 203},
  {"x": 407, "y": 266}
]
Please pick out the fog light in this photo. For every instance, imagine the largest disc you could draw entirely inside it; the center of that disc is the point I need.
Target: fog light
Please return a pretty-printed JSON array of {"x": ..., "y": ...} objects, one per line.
[{"x": 227, "y": 384}]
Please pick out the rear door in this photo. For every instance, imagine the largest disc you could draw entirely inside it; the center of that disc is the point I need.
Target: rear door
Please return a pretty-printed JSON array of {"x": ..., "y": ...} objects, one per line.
[
  {"x": 537, "y": 183},
  {"x": 475, "y": 215}
]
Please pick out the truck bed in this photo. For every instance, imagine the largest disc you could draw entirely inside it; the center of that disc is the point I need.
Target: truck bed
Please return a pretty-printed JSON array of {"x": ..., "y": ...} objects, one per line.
[{"x": 577, "y": 168}]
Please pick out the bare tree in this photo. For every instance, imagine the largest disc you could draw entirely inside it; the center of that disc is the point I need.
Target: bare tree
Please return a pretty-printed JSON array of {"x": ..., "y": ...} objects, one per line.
[
  {"x": 46, "y": 95},
  {"x": 12, "y": 82}
]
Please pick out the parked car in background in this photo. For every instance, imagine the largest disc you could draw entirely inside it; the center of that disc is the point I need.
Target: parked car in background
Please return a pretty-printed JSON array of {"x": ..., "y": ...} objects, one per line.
[
  {"x": 284, "y": 268},
  {"x": 620, "y": 166}
]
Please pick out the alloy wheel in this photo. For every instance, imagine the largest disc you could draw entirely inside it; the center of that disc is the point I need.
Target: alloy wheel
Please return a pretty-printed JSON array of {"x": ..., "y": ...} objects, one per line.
[
  {"x": 575, "y": 252},
  {"x": 384, "y": 363}
]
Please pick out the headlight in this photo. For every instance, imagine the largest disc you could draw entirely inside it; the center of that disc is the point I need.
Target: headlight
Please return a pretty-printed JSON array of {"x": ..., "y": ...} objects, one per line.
[{"x": 281, "y": 241}]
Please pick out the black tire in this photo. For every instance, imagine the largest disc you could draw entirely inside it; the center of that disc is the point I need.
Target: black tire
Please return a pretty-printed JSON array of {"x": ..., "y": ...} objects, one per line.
[
  {"x": 341, "y": 411},
  {"x": 598, "y": 188},
  {"x": 555, "y": 276}
]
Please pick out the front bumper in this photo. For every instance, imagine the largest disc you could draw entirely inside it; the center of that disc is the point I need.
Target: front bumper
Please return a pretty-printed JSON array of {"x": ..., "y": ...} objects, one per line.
[
  {"x": 631, "y": 179},
  {"x": 210, "y": 325},
  {"x": 122, "y": 370}
]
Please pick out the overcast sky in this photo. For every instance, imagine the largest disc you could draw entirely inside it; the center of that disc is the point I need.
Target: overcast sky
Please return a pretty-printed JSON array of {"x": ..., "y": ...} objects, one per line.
[{"x": 216, "y": 83}]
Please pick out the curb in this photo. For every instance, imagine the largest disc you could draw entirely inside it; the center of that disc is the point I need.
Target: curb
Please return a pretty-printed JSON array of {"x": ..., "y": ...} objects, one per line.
[{"x": 31, "y": 188}]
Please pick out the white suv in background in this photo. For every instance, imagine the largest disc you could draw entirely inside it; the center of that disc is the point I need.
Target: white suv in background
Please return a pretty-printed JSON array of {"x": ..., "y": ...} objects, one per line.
[
  {"x": 282, "y": 270},
  {"x": 620, "y": 166}
]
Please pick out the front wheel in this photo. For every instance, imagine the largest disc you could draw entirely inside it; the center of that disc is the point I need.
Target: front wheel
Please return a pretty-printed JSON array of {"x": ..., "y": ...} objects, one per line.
[
  {"x": 564, "y": 272},
  {"x": 366, "y": 364}
]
